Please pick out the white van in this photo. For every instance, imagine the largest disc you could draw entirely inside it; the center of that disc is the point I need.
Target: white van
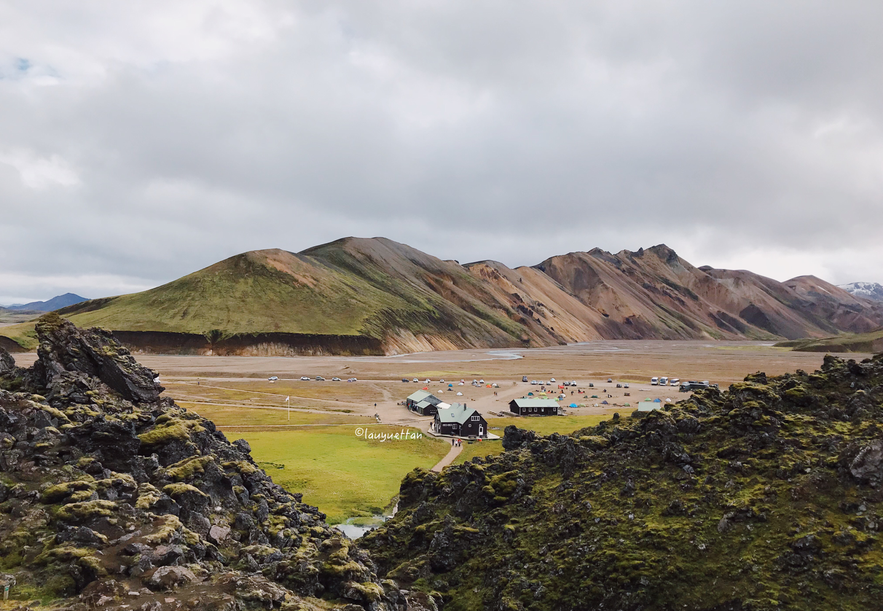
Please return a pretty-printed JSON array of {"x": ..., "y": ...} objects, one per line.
[
  {"x": 654, "y": 381},
  {"x": 663, "y": 381}
]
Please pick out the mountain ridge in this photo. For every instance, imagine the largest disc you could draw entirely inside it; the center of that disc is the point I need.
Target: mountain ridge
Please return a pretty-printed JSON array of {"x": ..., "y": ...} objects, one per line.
[
  {"x": 377, "y": 296},
  {"x": 57, "y": 302}
]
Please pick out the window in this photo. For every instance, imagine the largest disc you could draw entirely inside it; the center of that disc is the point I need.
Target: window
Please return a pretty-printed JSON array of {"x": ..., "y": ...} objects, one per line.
[{"x": 475, "y": 418}]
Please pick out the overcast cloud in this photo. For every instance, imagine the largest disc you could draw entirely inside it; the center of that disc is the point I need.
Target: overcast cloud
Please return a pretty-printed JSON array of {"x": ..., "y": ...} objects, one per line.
[{"x": 140, "y": 141}]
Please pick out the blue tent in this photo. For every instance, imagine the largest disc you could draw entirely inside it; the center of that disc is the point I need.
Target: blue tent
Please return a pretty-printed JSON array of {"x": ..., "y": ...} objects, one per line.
[
  {"x": 657, "y": 400},
  {"x": 450, "y": 385},
  {"x": 573, "y": 405},
  {"x": 604, "y": 403},
  {"x": 530, "y": 394}
]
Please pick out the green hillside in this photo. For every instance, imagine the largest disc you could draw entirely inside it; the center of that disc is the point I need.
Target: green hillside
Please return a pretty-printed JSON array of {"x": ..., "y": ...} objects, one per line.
[
  {"x": 848, "y": 342},
  {"x": 255, "y": 292},
  {"x": 362, "y": 288}
]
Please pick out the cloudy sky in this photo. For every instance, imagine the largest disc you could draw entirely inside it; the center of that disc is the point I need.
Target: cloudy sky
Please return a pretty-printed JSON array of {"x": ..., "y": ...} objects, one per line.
[{"x": 140, "y": 141}]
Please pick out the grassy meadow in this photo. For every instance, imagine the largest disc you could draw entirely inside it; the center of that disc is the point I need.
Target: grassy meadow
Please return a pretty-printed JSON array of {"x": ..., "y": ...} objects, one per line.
[
  {"x": 317, "y": 452},
  {"x": 344, "y": 475}
]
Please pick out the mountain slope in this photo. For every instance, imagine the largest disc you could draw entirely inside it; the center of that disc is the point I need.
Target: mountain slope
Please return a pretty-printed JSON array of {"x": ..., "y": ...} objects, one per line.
[
  {"x": 763, "y": 497},
  {"x": 653, "y": 293},
  {"x": 377, "y": 296}
]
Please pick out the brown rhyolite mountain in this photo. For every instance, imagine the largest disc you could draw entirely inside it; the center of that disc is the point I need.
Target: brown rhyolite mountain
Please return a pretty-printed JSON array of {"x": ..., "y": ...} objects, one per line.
[{"x": 376, "y": 296}]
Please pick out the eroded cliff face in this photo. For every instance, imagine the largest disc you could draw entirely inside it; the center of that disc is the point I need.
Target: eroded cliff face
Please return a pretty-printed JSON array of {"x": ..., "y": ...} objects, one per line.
[
  {"x": 113, "y": 497},
  {"x": 766, "y": 496}
]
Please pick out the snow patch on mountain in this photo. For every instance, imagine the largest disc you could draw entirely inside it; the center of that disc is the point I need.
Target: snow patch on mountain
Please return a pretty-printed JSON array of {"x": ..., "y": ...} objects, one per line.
[{"x": 868, "y": 290}]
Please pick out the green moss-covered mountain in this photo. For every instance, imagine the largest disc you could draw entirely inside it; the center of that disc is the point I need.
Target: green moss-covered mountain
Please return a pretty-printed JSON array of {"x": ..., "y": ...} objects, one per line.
[
  {"x": 767, "y": 496},
  {"x": 376, "y": 296}
]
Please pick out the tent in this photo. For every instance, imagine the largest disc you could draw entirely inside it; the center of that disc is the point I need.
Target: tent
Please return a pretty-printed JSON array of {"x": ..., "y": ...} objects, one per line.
[
  {"x": 450, "y": 385},
  {"x": 604, "y": 402},
  {"x": 459, "y": 394},
  {"x": 530, "y": 394},
  {"x": 425, "y": 388},
  {"x": 657, "y": 400},
  {"x": 594, "y": 397},
  {"x": 573, "y": 405}
]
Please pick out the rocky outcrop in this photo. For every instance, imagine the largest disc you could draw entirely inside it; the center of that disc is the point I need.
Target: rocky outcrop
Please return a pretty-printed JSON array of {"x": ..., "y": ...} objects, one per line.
[
  {"x": 112, "y": 496},
  {"x": 766, "y": 496}
]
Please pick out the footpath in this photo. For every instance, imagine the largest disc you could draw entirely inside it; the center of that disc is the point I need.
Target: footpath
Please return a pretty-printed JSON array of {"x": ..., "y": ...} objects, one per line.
[{"x": 448, "y": 459}]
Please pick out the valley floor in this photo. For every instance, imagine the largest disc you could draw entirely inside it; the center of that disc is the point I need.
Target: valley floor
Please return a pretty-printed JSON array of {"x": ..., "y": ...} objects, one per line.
[{"x": 312, "y": 447}]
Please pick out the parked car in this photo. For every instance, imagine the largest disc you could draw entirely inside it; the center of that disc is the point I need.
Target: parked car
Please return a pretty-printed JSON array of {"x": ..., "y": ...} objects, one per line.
[
  {"x": 524, "y": 378},
  {"x": 551, "y": 380},
  {"x": 406, "y": 380},
  {"x": 273, "y": 378},
  {"x": 304, "y": 379},
  {"x": 353, "y": 380},
  {"x": 416, "y": 381},
  {"x": 335, "y": 379},
  {"x": 619, "y": 385},
  {"x": 625, "y": 385},
  {"x": 320, "y": 379}
]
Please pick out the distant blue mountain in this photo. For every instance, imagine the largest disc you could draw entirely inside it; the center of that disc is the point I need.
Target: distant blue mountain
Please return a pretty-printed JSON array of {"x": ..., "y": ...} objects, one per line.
[{"x": 47, "y": 306}]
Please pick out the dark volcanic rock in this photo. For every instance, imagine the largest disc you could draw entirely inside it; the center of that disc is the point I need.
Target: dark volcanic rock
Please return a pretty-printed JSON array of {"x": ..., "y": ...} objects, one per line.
[
  {"x": 93, "y": 352},
  {"x": 7, "y": 362},
  {"x": 773, "y": 488},
  {"x": 111, "y": 492}
]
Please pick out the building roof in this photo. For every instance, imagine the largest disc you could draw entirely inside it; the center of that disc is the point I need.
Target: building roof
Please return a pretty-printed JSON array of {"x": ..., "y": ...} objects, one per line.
[
  {"x": 423, "y": 404},
  {"x": 420, "y": 395},
  {"x": 535, "y": 402},
  {"x": 458, "y": 413}
]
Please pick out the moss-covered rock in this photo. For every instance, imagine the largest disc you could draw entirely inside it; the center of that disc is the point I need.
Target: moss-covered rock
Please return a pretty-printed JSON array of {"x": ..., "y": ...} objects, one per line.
[
  {"x": 104, "y": 484},
  {"x": 767, "y": 496}
]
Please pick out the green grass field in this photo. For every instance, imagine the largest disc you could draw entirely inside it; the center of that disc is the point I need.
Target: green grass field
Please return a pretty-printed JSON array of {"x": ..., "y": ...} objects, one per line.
[
  {"x": 546, "y": 425},
  {"x": 232, "y": 416},
  {"x": 345, "y": 476}
]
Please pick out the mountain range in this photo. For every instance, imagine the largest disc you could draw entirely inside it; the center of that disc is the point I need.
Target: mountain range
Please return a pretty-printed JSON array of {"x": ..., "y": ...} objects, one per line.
[
  {"x": 55, "y": 303},
  {"x": 377, "y": 296}
]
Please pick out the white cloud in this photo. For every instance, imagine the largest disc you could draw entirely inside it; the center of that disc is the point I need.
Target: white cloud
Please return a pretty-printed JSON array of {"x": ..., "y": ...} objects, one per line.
[
  {"x": 175, "y": 134},
  {"x": 41, "y": 172}
]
